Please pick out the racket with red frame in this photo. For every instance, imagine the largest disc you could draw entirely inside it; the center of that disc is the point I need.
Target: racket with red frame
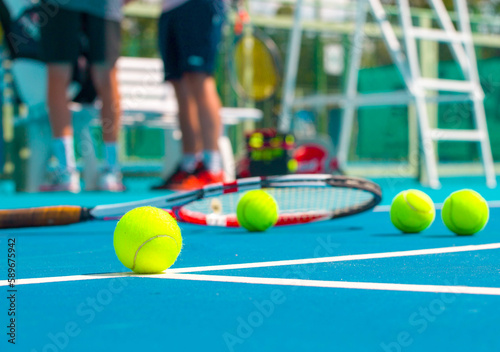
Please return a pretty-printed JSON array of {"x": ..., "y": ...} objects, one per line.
[{"x": 301, "y": 199}]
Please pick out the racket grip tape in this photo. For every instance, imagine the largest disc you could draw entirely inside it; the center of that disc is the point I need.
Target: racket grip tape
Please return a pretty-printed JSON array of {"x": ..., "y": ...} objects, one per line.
[{"x": 44, "y": 216}]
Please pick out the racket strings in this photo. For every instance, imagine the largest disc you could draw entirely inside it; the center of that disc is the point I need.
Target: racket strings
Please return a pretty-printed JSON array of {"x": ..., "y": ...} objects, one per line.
[
  {"x": 291, "y": 200},
  {"x": 255, "y": 66}
]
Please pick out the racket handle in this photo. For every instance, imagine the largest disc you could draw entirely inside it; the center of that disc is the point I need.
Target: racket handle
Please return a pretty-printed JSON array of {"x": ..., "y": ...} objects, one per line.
[{"x": 45, "y": 216}]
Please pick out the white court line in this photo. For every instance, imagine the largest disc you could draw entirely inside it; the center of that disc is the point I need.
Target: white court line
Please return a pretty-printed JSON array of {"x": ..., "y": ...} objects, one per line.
[
  {"x": 282, "y": 282},
  {"x": 47, "y": 280},
  {"x": 338, "y": 284},
  {"x": 387, "y": 208},
  {"x": 343, "y": 258}
]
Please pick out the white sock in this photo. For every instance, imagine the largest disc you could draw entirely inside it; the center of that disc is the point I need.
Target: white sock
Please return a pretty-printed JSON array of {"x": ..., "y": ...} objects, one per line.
[
  {"x": 213, "y": 161},
  {"x": 111, "y": 155},
  {"x": 64, "y": 151},
  {"x": 199, "y": 157},
  {"x": 189, "y": 161}
]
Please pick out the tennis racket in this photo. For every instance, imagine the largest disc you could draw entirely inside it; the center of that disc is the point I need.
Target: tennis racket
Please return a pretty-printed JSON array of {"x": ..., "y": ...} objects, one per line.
[
  {"x": 301, "y": 199},
  {"x": 254, "y": 62}
]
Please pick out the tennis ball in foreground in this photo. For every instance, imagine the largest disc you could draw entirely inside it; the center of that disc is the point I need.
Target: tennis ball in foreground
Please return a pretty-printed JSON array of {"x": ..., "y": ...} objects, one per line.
[
  {"x": 465, "y": 212},
  {"x": 257, "y": 211},
  {"x": 147, "y": 240},
  {"x": 412, "y": 211}
]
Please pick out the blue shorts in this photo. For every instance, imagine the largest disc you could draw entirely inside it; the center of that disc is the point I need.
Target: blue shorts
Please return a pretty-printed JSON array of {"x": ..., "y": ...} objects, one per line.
[
  {"x": 66, "y": 34},
  {"x": 189, "y": 36}
]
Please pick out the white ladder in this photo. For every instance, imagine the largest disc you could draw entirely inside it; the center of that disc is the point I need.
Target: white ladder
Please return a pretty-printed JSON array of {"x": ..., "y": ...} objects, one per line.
[{"x": 462, "y": 48}]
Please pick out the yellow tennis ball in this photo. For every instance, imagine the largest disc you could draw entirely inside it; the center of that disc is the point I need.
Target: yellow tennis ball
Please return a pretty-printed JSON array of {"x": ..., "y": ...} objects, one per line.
[
  {"x": 257, "y": 211},
  {"x": 465, "y": 212},
  {"x": 147, "y": 240},
  {"x": 412, "y": 211}
]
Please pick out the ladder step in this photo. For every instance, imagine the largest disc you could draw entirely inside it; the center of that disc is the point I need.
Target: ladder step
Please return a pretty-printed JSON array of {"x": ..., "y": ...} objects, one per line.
[
  {"x": 438, "y": 35},
  {"x": 447, "y": 85},
  {"x": 457, "y": 135}
]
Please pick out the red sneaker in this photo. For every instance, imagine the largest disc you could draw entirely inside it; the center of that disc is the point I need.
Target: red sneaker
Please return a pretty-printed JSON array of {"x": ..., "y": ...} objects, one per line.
[
  {"x": 178, "y": 178},
  {"x": 206, "y": 177},
  {"x": 188, "y": 184},
  {"x": 201, "y": 178}
]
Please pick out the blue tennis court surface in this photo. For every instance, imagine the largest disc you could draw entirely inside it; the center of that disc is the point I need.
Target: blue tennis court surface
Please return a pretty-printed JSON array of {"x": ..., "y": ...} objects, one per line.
[{"x": 353, "y": 284}]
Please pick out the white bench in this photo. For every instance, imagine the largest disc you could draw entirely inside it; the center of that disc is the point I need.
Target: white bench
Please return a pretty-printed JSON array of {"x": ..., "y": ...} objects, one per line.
[{"x": 146, "y": 101}]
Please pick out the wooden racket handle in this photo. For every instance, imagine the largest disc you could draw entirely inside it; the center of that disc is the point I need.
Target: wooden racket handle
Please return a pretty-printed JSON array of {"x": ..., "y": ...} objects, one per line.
[{"x": 44, "y": 216}]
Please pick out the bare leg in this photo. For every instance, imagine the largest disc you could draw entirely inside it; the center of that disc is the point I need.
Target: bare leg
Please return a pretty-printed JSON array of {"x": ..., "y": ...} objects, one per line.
[
  {"x": 59, "y": 77},
  {"x": 208, "y": 102},
  {"x": 106, "y": 84},
  {"x": 105, "y": 80},
  {"x": 65, "y": 178},
  {"x": 188, "y": 119}
]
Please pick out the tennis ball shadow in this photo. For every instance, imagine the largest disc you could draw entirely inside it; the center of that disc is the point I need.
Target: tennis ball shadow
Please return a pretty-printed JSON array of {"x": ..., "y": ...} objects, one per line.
[
  {"x": 443, "y": 235},
  {"x": 113, "y": 275},
  {"x": 395, "y": 234},
  {"x": 242, "y": 232},
  {"x": 282, "y": 230}
]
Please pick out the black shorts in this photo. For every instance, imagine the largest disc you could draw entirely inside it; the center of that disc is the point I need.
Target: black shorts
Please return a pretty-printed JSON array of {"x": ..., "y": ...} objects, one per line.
[
  {"x": 69, "y": 34},
  {"x": 189, "y": 36}
]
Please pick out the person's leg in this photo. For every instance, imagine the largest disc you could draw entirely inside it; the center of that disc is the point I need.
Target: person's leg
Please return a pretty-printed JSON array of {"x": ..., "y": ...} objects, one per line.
[
  {"x": 184, "y": 177},
  {"x": 200, "y": 33},
  {"x": 59, "y": 49},
  {"x": 189, "y": 124},
  {"x": 172, "y": 51},
  {"x": 104, "y": 39},
  {"x": 204, "y": 91},
  {"x": 104, "y": 50},
  {"x": 59, "y": 77},
  {"x": 106, "y": 85}
]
